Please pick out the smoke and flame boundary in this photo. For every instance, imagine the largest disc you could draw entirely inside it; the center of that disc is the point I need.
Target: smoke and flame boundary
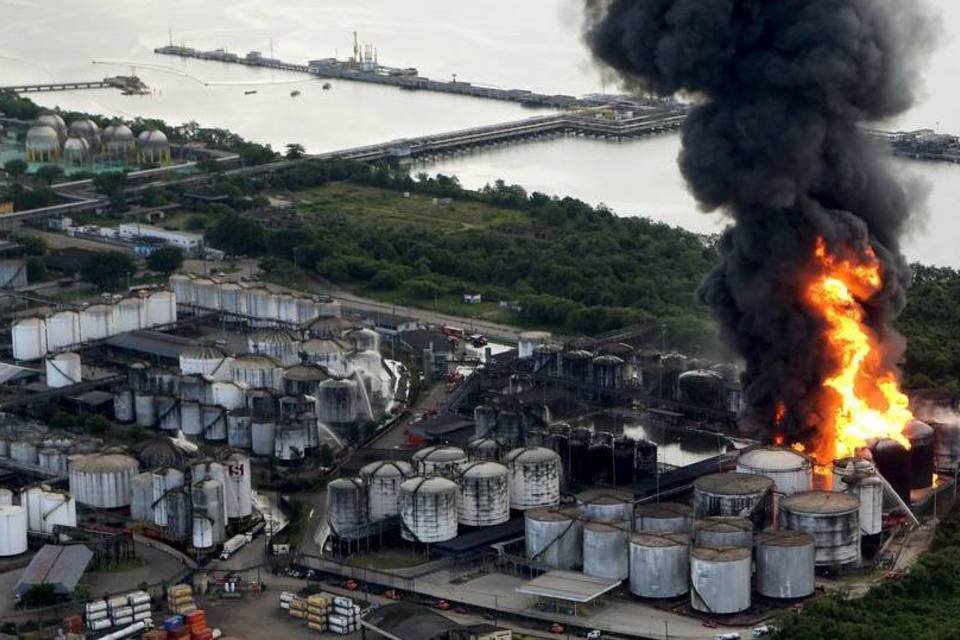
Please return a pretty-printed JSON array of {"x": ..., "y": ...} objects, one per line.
[{"x": 860, "y": 400}]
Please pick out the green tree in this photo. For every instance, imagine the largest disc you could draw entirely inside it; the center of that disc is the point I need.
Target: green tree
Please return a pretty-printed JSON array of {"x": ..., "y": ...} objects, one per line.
[
  {"x": 166, "y": 259},
  {"x": 16, "y": 168},
  {"x": 108, "y": 271},
  {"x": 294, "y": 151},
  {"x": 96, "y": 425},
  {"x": 422, "y": 289},
  {"x": 195, "y": 223},
  {"x": 36, "y": 270},
  {"x": 50, "y": 173},
  {"x": 39, "y": 595},
  {"x": 237, "y": 236},
  {"x": 113, "y": 185},
  {"x": 208, "y": 165},
  {"x": 35, "y": 245}
]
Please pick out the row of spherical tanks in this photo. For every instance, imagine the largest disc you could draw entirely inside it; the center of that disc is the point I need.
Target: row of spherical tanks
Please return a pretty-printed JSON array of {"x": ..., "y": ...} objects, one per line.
[{"x": 50, "y": 139}]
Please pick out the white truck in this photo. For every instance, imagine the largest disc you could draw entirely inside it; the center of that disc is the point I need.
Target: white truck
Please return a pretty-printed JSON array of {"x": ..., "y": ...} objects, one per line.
[{"x": 232, "y": 545}]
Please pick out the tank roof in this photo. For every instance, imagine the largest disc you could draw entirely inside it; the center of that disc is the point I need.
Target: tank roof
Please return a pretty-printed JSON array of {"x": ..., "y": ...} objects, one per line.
[
  {"x": 254, "y": 361},
  {"x": 721, "y": 553},
  {"x": 548, "y": 514},
  {"x": 42, "y": 133},
  {"x": 774, "y": 459},
  {"x": 917, "y": 429},
  {"x": 733, "y": 483},
  {"x": 605, "y": 496},
  {"x": 345, "y": 484},
  {"x": 484, "y": 470},
  {"x": 324, "y": 345},
  {"x": 820, "y": 503},
  {"x": 273, "y": 336},
  {"x": 660, "y": 540},
  {"x": 389, "y": 468},
  {"x": 535, "y": 335},
  {"x": 607, "y": 526},
  {"x": 440, "y": 453},
  {"x": 102, "y": 462},
  {"x": 664, "y": 510},
  {"x": 433, "y": 484},
  {"x": 531, "y": 454},
  {"x": 723, "y": 524},
  {"x": 785, "y": 539},
  {"x": 203, "y": 352},
  {"x": 305, "y": 372}
]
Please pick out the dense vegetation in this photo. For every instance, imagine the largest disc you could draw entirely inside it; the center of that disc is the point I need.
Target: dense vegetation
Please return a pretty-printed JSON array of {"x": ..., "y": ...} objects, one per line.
[
  {"x": 930, "y": 323},
  {"x": 923, "y": 605}
]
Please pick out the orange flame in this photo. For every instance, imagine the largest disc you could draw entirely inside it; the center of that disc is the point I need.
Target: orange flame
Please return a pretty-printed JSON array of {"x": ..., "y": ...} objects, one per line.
[{"x": 861, "y": 398}]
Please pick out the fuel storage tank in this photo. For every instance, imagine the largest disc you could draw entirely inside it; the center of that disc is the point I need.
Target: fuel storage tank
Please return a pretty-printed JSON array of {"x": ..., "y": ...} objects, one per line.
[
  {"x": 868, "y": 489},
  {"x": 382, "y": 480},
  {"x": 440, "y": 460},
  {"x": 347, "y": 511},
  {"x": 892, "y": 460},
  {"x": 63, "y": 370},
  {"x": 720, "y": 579},
  {"x": 428, "y": 508},
  {"x": 832, "y": 518},
  {"x": 534, "y": 477},
  {"x": 486, "y": 449},
  {"x": 102, "y": 479},
  {"x": 921, "y": 437},
  {"x": 239, "y": 422},
  {"x": 554, "y": 537},
  {"x": 605, "y": 550},
  {"x": 13, "y": 530},
  {"x": 732, "y": 494},
  {"x": 785, "y": 564},
  {"x": 946, "y": 443},
  {"x": 209, "y": 527},
  {"x": 659, "y": 565},
  {"x": 791, "y": 471},
  {"x": 484, "y": 498},
  {"x": 605, "y": 505},
  {"x": 663, "y": 517},
  {"x": 238, "y": 486},
  {"x": 729, "y": 531}
]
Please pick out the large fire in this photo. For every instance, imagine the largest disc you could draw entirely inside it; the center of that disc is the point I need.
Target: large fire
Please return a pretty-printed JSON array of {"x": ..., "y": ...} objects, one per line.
[{"x": 861, "y": 398}]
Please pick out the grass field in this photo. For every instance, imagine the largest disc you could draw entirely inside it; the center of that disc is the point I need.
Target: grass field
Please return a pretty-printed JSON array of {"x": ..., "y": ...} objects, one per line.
[{"x": 391, "y": 206}]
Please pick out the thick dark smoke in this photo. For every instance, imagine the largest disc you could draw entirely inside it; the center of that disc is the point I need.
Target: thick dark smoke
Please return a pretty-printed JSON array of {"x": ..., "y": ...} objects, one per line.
[{"x": 781, "y": 87}]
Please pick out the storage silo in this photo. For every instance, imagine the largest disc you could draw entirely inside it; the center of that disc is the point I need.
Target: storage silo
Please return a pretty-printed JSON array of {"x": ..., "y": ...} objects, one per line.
[
  {"x": 96, "y": 322},
  {"x": 547, "y": 359},
  {"x": 364, "y": 340},
  {"x": 720, "y": 579},
  {"x": 52, "y": 459},
  {"x": 576, "y": 365},
  {"x": 554, "y": 537},
  {"x": 484, "y": 494},
  {"x": 383, "y": 479},
  {"x": 659, "y": 565},
  {"x": 13, "y": 530},
  {"x": 206, "y": 360},
  {"x": 209, "y": 527},
  {"x": 733, "y": 494},
  {"x": 921, "y": 437},
  {"x": 606, "y": 550},
  {"x": 232, "y": 300},
  {"x": 24, "y": 451},
  {"x": 29, "y": 338},
  {"x": 256, "y": 372},
  {"x": 124, "y": 410},
  {"x": 129, "y": 314},
  {"x": 239, "y": 428},
  {"x": 63, "y": 370},
  {"x": 6, "y": 497},
  {"x": 168, "y": 413},
  {"x": 279, "y": 344},
  {"x": 487, "y": 449},
  {"x": 946, "y": 443},
  {"x": 42, "y": 144},
  {"x": 534, "y": 477},
  {"x": 723, "y": 531},
  {"x": 892, "y": 460},
  {"x": 428, "y": 509},
  {"x": 791, "y": 471},
  {"x": 605, "y": 505},
  {"x": 785, "y": 564},
  {"x": 161, "y": 308},
  {"x": 607, "y": 372},
  {"x": 663, "y": 517},
  {"x": 167, "y": 499},
  {"x": 228, "y": 395},
  {"x": 63, "y": 330},
  {"x": 845, "y": 467},
  {"x": 328, "y": 353},
  {"x": 337, "y": 402},
  {"x": 347, "y": 510},
  {"x": 833, "y": 520},
  {"x": 868, "y": 489},
  {"x": 485, "y": 420},
  {"x": 47, "y": 508},
  {"x": 289, "y": 442},
  {"x": 102, "y": 479},
  {"x": 183, "y": 287},
  {"x": 153, "y": 147},
  {"x": 303, "y": 379},
  {"x": 238, "y": 487},
  {"x": 213, "y": 419},
  {"x": 119, "y": 143},
  {"x": 262, "y": 437},
  {"x": 528, "y": 342},
  {"x": 207, "y": 293},
  {"x": 440, "y": 460},
  {"x": 145, "y": 408},
  {"x": 190, "y": 418}
]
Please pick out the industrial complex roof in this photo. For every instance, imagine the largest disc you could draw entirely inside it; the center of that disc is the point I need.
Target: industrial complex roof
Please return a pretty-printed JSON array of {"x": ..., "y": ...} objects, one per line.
[
  {"x": 60, "y": 566},
  {"x": 567, "y": 585},
  {"x": 151, "y": 342},
  {"x": 406, "y": 621}
]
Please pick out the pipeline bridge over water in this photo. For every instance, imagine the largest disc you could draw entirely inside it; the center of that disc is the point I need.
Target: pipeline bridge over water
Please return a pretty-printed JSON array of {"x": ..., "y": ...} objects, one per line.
[{"x": 124, "y": 83}]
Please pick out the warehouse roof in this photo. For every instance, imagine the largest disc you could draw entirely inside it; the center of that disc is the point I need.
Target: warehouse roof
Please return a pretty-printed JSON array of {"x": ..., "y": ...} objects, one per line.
[
  {"x": 406, "y": 621},
  {"x": 421, "y": 339},
  {"x": 60, "y": 566},
  {"x": 151, "y": 342},
  {"x": 567, "y": 585}
]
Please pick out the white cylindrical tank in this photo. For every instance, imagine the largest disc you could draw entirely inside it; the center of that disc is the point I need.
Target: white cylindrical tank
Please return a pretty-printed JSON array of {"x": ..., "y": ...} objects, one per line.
[
  {"x": 290, "y": 441},
  {"x": 723, "y": 531},
  {"x": 832, "y": 518},
  {"x": 258, "y": 372},
  {"x": 213, "y": 418},
  {"x": 168, "y": 414},
  {"x": 428, "y": 508},
  {"x": 732, "y": 494},
  {"x": 6, "y": 497},
  {"x": 487, "y": 449},
  {"x": 484, "y": 494},
  {"x": 29, "y": 339},
  {"x": 238, "y": 488},
  {"x": 190, "y": 418},
  {"x": 383, "y": 479},
  {"x": 161, "y": 308},
  {"x": 337, "y": 401},
  {"x": 183, "y": 287},
  {"x": 47, "y": 508},
  {"x": 439, "y": 460},
  {"x": 13, "y": 531},
  {"x": 262, "y": 435},
  {"x": 129, "y": 314},
  {"x": 791, "y": 471},
  {"x": 102, "y": 479},
  {"x": 63, "y": 329},
  {"x": 124, "y": 410},
  {"x": 279, "y": 344},
  {"x": 534, "y": 477},
  {"x": 529, "y": 341},
  {"x": 720, "y": 579},
  {"x": 228, "y": 395},
  {"x": 96, "y": 322},
  {"x": 554, "y": 537},
  {"x": 146, "y": 409},
  {"x": 785, "y": 564},
  {"x": 208, "y": 507},
  {"x": 869, "y": 490},
  {"x": 663, "y": 517},
  {"x": 347, "y": 511},
  {"x": 605, "y": 505},
  {"x": 364, "y": 340},
  {"x": 605, "y": 550},
  {"x": 239, "y": 429},
  {"x": 24, "y": 451},
  {"x": 659, "y": 565},
  {"x": 53, "y": 459},
  {"x": 207, "y": 361}
]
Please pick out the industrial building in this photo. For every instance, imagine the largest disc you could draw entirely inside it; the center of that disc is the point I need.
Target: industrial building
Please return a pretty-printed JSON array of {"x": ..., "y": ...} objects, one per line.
[
  {"x": 191, "y": 243},
  {"x": 55, "y": 565}
]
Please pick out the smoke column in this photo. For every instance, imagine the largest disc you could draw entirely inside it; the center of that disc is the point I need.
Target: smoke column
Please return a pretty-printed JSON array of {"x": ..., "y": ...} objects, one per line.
[{"x": 780, "y": 87}]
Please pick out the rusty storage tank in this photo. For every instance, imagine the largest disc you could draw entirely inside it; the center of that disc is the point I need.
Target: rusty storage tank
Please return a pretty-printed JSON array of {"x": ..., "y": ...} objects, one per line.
[
  {"x": 832, "y": 518},
  {"x": 383, "y": 479},
  {"x": 484, "y": 499},
  {"x": 720, "y": 579},
  {"x": 785, "y": 564},
  {"x": 723, "y": 531},
  {"x": 439, "y": 460},
  {"x": 733, "y": 494},
  {"x": 850, "y": 466},
  {"x": 791, "y": 471},
  {"x": 659, "y": 565},
  {"x": 663, "y": 517},
  {"x": 605, "y": 505},
  {"x": 946, "y": 445},
  {"x": 487, "y": 449},
  {"x": 428, "y": 509},
  {"x": 347, "y": 511},
  {"x": 921, "y": 436},
  {"x": 606, "y": 551},
  {"x": 554, "y": 537},
  {"x": 893, "y": 462},
  {"x": 534, "y": 477}
]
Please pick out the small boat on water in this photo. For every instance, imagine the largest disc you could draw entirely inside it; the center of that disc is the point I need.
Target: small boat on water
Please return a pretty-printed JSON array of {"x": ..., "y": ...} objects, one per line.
[
  {"x": 294, "y": 93},
  {"x": 251, "y": 91},
  {"x": 327, "y": 86}
]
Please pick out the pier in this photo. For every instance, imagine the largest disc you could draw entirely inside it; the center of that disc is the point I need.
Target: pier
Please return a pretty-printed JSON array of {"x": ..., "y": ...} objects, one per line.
[{"x": 127, "y": 84}]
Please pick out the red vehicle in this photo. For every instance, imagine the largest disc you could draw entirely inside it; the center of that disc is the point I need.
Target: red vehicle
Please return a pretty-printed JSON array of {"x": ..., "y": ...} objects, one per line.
[
  {"x": 710, "y": 623},
  {"x": 454, "y": 332},
  {"x": 443, "y": 605}
]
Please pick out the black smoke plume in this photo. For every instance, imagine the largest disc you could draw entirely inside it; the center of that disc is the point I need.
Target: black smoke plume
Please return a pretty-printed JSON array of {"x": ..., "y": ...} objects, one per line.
[{"x": 780, "y": 88}]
